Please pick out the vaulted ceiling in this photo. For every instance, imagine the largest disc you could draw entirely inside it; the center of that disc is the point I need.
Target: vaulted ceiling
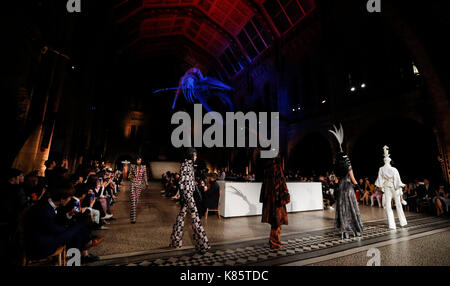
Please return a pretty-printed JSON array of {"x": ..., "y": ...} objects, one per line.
[{"x": 205, "y": 28}]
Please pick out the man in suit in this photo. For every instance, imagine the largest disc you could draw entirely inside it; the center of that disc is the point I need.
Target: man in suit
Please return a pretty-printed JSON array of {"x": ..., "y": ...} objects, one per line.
[
  {"x": 429, "y": 189},
  {"x": 425, "y": 193},
  {"x": 44, "y": 232}
]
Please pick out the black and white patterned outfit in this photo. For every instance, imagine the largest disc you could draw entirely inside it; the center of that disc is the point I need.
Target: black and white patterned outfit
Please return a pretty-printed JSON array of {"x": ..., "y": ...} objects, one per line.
[
  {"x": 139, "y": 181},
  {"x": 348, "y": 217},
  {"x": 187, "y": 185}
]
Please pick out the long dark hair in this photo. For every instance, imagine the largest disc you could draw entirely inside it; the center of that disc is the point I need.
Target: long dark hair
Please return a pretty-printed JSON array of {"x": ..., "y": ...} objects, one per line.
[
  {"x": 138, "y": 156},
  {"x": 190, "y": 153}
]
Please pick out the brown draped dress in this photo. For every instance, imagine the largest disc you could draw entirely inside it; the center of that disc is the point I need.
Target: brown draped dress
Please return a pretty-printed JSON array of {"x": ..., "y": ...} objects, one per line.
[{"x": 274, "y": 197}]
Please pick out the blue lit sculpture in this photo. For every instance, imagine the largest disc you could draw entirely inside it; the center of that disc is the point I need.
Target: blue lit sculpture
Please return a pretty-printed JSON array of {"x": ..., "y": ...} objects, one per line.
[{"x": 194, "y": 85}]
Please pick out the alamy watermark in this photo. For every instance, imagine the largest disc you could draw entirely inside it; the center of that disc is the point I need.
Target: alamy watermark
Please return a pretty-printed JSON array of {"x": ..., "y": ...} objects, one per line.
[
  {"x": 213, "y": 136},
  {"x": 74, "y": 257},
  {"x": 373, "y": 6},
  {"x": 73, "y": 6},
  {"x": 375, "y": 257}
]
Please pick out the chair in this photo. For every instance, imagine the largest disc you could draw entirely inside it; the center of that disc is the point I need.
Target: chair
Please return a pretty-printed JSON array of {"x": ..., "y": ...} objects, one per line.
[
  {"x": 60, "y": 253},
  {"x": 215, "y": 210},
  {"x": 326, "y": 203},
  {"x": 424, "y": 206}
]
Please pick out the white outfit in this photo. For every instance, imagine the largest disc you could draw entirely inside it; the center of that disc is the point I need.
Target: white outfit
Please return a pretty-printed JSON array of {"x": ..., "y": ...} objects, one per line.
[{"x": 390, "y": 183}]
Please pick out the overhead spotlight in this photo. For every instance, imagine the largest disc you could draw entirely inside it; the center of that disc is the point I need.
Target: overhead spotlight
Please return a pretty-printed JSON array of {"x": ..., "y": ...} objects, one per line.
[
  {"x": 415, "y": 70},
  {"x": 299, "y": 108},
  {"x": 363, "y": 85},
  {"x": 353, "y": 88},
  {"x": 293, "y": 109},
  {"x": 324, "y": 101}
]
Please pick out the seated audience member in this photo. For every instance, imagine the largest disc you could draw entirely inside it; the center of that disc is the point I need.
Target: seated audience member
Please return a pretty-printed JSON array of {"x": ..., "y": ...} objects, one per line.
[
  {"x": 422, "y": 189},
  {"x": 12, "y": 203},
  {"x": 174, "y": 186},
  {"x": 14, "y": 198},
  {"x": 411, "y": 197},
  {"x": 73, "y": 213},
  {"x": 212, "y": 194},
  {"x": 93, "y": 186},
  {"x": 101, "y": 202},
  {"x": 44, "y": 232},
  {"x": 49, "y": 174},
  {"x": 430, "y": 190},
  {"x": 166, "y": 177},
  {"x": 108, "y": 192},
  {"x": 366, "y": 191},
  {"x": 440, "y": 200},
  {"x": 87, "y": 201},
  {"x": 199, "y": 190},
  {"x": 358, "y": 191},
  {"x": 33, "y": 186},
  {"x": 377, "y": 194},
  {"x": 327, "y": 193},
  {"x": 55, "y": 170},
  {"x": 116, "y": 185}
]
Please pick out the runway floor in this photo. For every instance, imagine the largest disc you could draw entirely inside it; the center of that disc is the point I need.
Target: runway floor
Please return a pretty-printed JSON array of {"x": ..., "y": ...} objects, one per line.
[{"x": 309, "y": 239}]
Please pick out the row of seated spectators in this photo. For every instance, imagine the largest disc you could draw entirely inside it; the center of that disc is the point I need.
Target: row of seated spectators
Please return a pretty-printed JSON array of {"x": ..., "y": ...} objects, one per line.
[
  {"x": 206, "y": 192},
  {"x": 418, "y": 196},
  {"x": 232, "y": 175},
  {"x": 422, "y": 196},
  {"x": 39, "y": 214}
]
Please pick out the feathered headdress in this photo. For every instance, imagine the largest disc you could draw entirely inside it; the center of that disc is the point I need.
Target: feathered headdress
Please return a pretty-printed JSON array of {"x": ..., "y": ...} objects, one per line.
[
  {"x": 386, "y": 154},
  {"x": 339, "y": 134}
]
